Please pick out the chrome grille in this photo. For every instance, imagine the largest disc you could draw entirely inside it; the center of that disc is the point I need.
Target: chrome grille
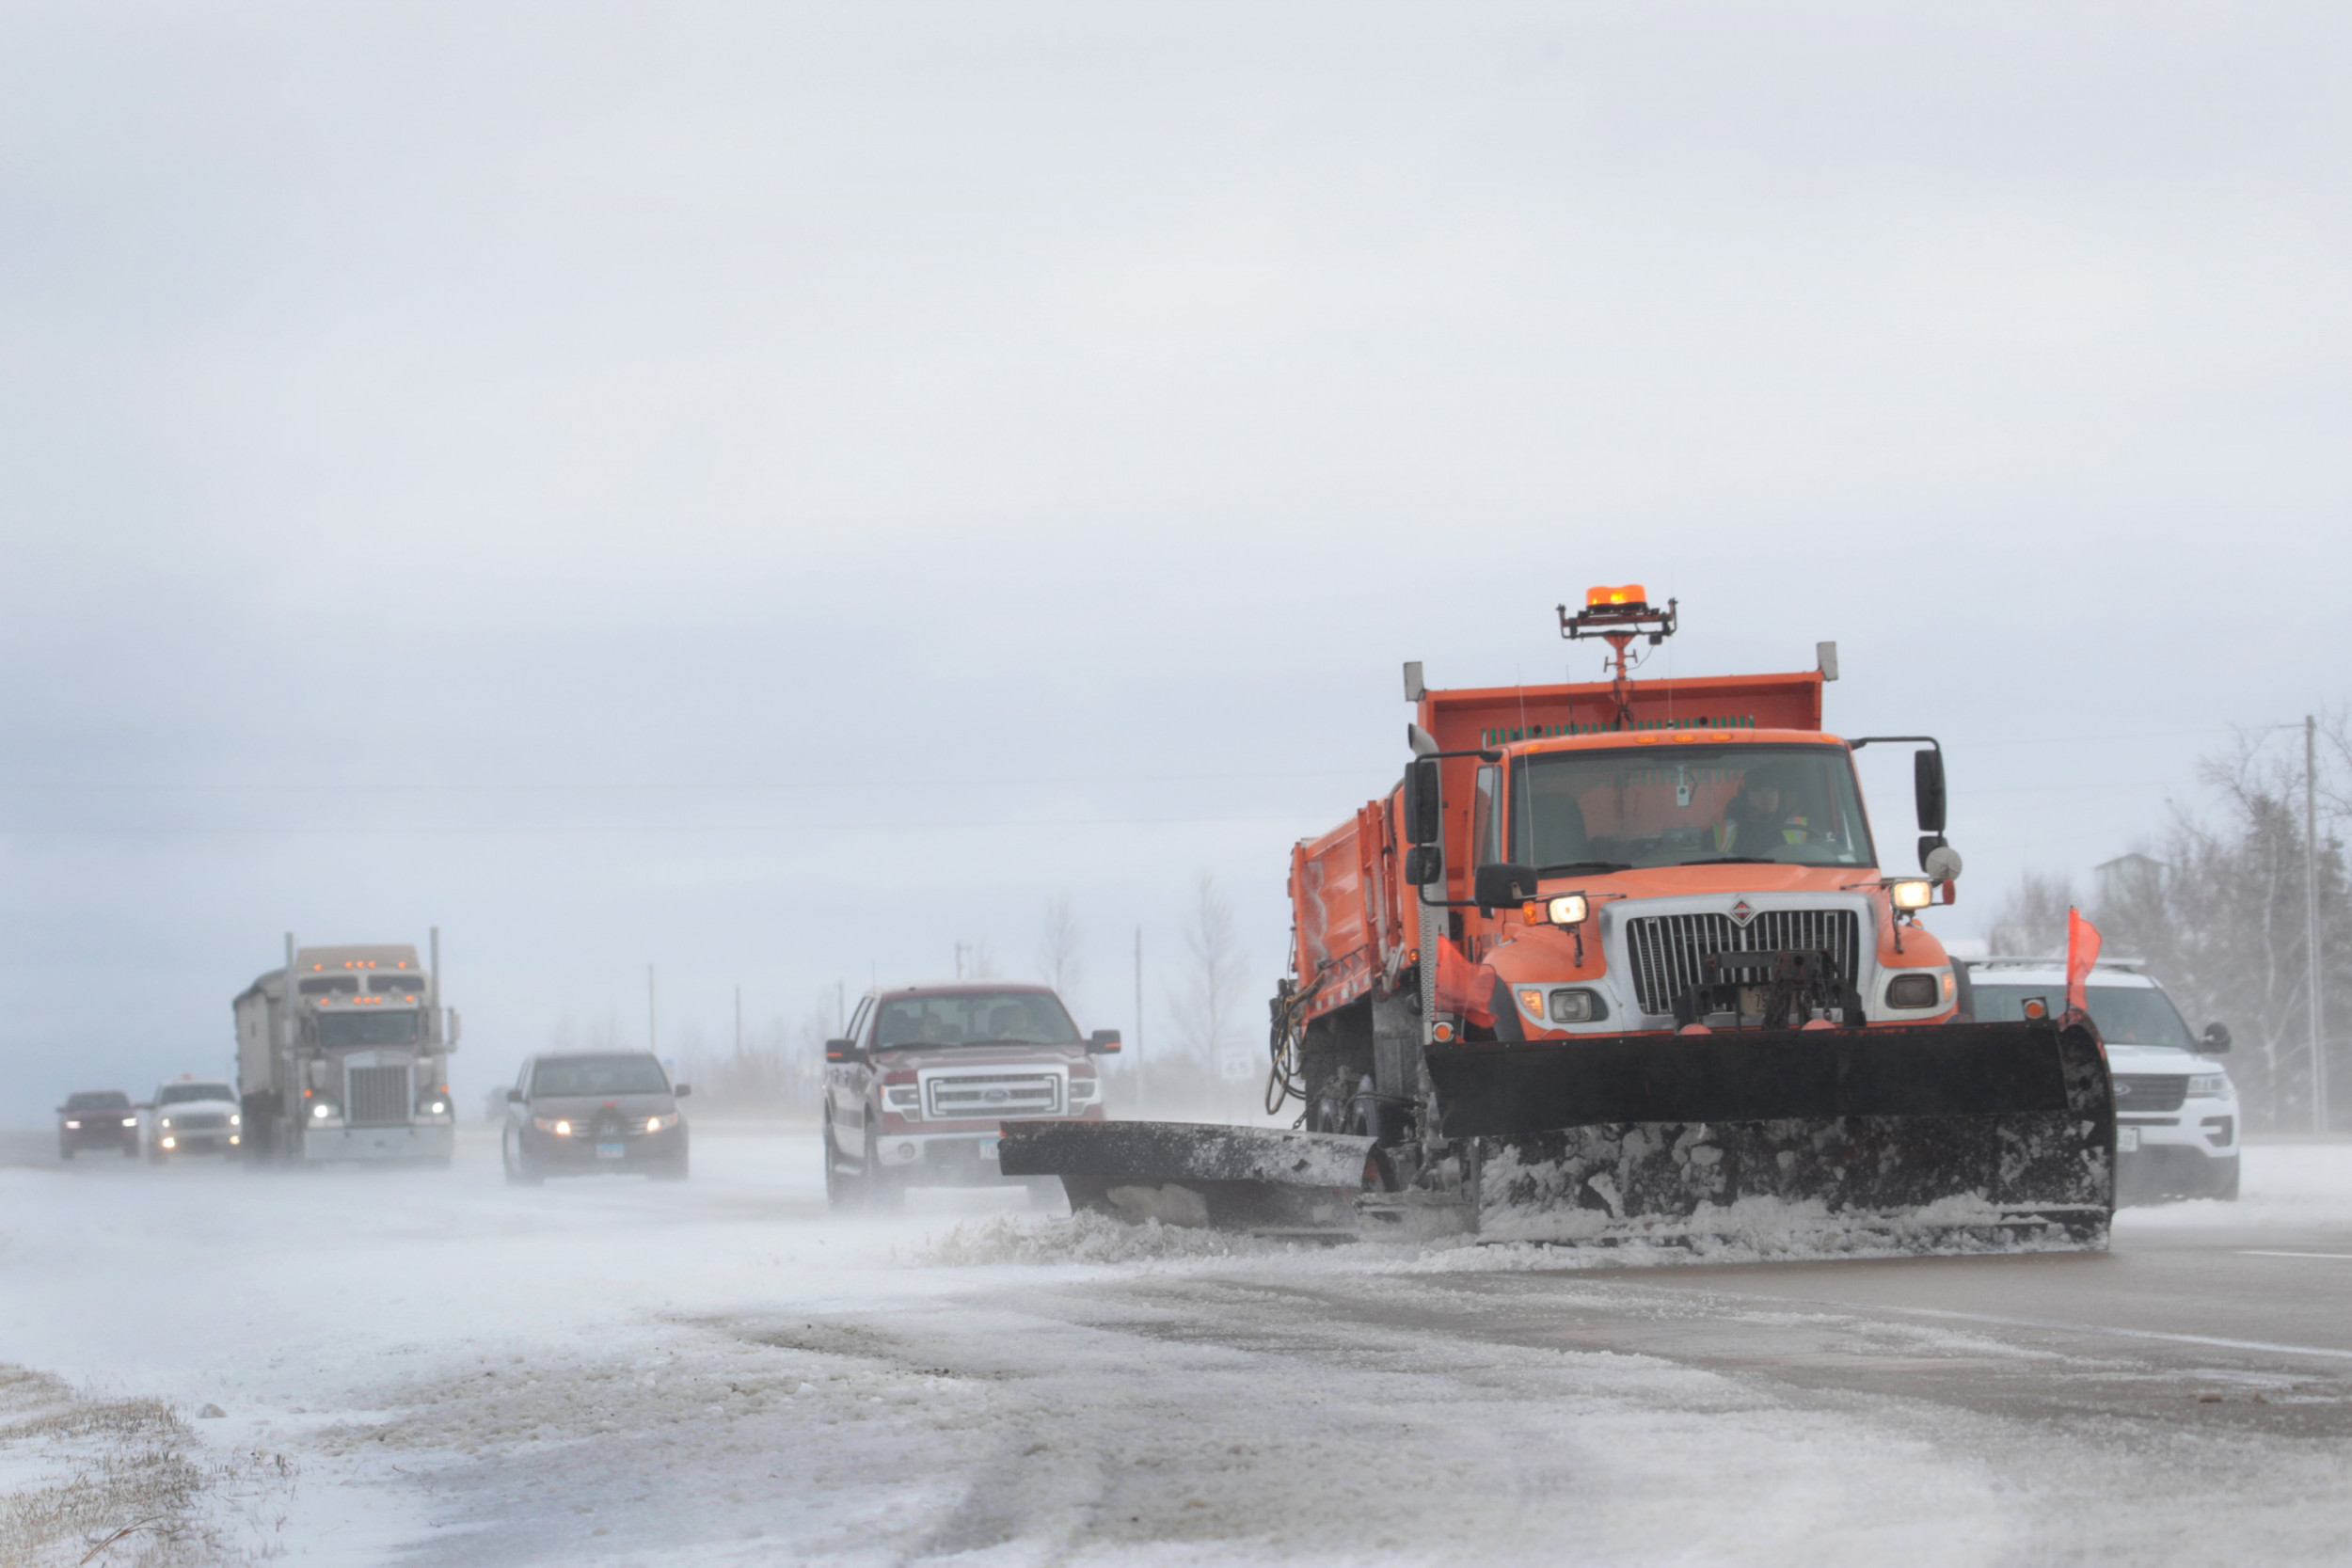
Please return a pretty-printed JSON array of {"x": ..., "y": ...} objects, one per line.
[
  {"x": 378, "y": 1097},
  {"x": 2139, "y": 1092},
  {"x": 1668, "y": 949},
  {"x": 976, "y": 1097},
  {"x": 210, "y": 1121}
]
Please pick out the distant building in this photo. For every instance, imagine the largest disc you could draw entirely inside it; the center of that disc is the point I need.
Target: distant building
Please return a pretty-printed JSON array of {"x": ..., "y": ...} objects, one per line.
[{"x": 2126, "y": 881}]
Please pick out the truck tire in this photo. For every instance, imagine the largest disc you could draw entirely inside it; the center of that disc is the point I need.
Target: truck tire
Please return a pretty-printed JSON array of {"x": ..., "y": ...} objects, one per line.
[
  {"x": 520, "y": 1170},
  {"x": 885, "y": 1191},
  {"x": 841, "y": 1191}
]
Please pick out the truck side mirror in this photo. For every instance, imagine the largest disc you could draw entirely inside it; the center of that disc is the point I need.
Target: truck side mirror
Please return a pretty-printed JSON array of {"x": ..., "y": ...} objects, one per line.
[
  {"x": 1422, "y": 823},
  {"x": 515, "y": 1097},
  {"x": 1103, "y": 1042},
  {"x": 680, "y": 1091},
  {"x": 2217, "y": 1039},
  {"x": 1495, "y": 886},
  {"x": 844, "y": 1051},
  {"x": 1422, "y": 865},
  {"x": 1927, "y": 784}
]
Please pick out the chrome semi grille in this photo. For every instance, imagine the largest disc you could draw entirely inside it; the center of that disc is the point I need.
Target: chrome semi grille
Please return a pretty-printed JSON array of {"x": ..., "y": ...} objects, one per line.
[
  {"x": 2136, "y": 1093},
  {"x": 379, "y": 1096},
  {"x": 1668, "y": 949},
  {"x": 978, "y": 1097}
]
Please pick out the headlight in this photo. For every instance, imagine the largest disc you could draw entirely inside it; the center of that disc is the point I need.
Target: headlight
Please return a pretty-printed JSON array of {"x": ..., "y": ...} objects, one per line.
[
  {"x": 662, "y": 1123},
  {"x": 235, "y": 1119},
  {"x": 2209, "y": 1087},
  {"x": 171, "y": 1143},
  {"x": 437, "y": 1108},
  {"x": 130, "y": 1121},
  {"x": 167, "y": 1122},
  {"x": 1913, "y": 990},
  {"x": 1082, "y": 1088},
  {"x": 73, "y": 1127},
  {"x": 1568, "y": 909},
  {"x": 1911, "y": 893},
  {"x": 549, "y": 1124},
  {"x": 1576, "y": 1006},
  {"x": 321, "y": 1110},
  {"x": 905, "y": 1098}
]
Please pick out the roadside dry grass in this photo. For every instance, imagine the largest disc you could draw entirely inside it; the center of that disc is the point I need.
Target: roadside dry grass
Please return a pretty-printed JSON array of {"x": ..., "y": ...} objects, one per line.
[{"x": 125, "y": 1482}]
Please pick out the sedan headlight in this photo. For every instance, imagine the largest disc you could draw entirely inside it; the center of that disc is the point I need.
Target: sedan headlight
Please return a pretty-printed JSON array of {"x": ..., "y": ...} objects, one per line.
[
  {"x": 2211, "y": 1085},
  {"x": 561, "y": 1129},
  {"x": 662, "y": 1123}
]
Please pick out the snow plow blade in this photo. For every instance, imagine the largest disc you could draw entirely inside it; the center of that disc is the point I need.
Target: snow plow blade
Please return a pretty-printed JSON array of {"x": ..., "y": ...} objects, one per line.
[
  {"x": 2004, "y": 1132},
  {"x": 1196, "y": 1173}
]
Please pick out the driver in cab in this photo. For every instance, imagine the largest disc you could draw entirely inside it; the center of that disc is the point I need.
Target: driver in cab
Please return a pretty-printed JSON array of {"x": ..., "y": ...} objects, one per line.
[{"x": 1765, "y": 815}]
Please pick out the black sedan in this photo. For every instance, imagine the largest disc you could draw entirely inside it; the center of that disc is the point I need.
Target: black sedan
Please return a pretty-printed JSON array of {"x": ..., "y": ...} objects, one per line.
[
  {"x": 588, "y": 1113},
  {"x": 97, "y": 1119}
]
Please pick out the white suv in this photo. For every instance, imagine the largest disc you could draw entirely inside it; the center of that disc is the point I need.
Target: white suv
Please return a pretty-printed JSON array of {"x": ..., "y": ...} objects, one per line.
[{"x": 2176, "y": 1116}]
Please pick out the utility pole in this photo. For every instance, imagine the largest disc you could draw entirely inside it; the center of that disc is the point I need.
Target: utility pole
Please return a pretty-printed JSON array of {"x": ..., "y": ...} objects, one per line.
[
  {"x": 739, "y": 1023},
  {"x": 959, "y": 960},
  {"x": 2311, "y": 918},
  {"x": 1138, "y": 1021},
  {"x": 653, "y": 1037}
]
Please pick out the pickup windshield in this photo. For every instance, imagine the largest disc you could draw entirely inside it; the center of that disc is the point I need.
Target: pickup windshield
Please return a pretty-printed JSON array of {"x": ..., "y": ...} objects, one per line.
[
  {"x": 1687, "y": 805},
  {"x": 2126, "y": 1015},
  {"x": 974, "y": 1018},
  {"x": 369, "y": 1028}
]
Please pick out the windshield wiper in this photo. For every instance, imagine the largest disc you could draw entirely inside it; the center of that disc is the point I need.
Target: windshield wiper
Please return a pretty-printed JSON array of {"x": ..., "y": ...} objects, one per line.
[
  {"x": 1734, "y": 860},
  {"x": 1577, "y": 868}
]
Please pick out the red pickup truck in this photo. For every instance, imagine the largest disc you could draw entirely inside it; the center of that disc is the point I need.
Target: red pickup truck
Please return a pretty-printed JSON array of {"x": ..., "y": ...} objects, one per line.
[{"x": 914, "y": 1092}]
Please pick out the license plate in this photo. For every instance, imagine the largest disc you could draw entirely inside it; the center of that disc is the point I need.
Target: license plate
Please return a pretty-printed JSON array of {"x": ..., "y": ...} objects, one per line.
[
  {"x": 2126, "y": 1139},
  {"x": 988, "y": 1149},
  {"x": 611, "y": 1151}
]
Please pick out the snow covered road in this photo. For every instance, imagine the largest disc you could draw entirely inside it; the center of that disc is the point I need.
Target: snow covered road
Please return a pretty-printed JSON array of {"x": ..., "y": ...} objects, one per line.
[{"x": 429, "y": 1367}]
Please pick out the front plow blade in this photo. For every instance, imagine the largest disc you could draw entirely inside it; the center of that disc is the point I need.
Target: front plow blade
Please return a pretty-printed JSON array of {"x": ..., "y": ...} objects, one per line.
[
  {"x": 1196, "y": 1173},
  {"x": 2002, "y": 1132}
]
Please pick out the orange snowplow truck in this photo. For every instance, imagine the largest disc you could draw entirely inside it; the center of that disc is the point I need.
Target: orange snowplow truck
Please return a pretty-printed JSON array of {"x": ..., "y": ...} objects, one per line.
[{"x": 1620, "y": 958}]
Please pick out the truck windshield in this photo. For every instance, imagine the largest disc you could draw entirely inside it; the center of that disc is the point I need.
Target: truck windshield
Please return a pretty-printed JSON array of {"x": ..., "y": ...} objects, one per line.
[
  {"x": 600, "y": 1075},
  {"x": 2126, "y": 1015},
  {"x": 974, "y": 1018},
  {"x": 179, "y": 1094},
  {"x": 1673, "y": 804},
  {"x": 368, "y": 1028}
]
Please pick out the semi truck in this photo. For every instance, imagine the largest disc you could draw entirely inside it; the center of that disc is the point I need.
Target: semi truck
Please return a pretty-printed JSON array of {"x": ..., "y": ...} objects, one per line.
[
  {"x": 1613, "y": 959},
  {"x": 343, "y": 1055}
]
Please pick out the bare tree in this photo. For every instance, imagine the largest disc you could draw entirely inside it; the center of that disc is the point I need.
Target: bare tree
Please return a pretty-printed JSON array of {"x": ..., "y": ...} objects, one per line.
[
  {"x": 1207, "y": 1005},
  {"x": 1059, "y": 963},
  {"x": 2033, "y": 920}
]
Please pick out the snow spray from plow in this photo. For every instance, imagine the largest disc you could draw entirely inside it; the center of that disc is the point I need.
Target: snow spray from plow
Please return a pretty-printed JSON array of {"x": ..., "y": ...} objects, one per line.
[{"x": 1975, "y": 1135}]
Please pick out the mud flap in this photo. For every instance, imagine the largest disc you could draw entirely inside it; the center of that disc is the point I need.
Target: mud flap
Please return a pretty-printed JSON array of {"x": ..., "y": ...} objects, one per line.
[
  {"x": 2002, "y": 1129},
  {"x": 1196, "y": 1173}
]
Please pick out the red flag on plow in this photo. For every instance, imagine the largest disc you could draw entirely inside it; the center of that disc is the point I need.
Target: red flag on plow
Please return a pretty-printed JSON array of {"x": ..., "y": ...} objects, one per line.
[{"x": 2082, "y": 951}]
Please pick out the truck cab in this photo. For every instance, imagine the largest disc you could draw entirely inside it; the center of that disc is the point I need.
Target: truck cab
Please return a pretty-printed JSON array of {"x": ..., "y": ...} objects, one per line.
[
  {"x": 916, "y": 1090},
  {"x": 353, "y": 1064}
]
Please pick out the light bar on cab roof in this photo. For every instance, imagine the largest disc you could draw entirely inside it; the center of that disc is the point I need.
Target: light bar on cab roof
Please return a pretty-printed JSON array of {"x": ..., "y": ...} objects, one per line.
[{"x": 1632, "y": 593}]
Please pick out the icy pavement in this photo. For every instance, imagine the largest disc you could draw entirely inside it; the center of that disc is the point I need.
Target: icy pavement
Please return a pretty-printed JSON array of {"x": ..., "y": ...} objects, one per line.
[{"x": 429, "y": 1367}]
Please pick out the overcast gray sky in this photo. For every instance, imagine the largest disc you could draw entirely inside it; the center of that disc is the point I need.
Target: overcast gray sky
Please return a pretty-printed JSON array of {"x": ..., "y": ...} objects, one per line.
[{"x": 770, "y": 491}]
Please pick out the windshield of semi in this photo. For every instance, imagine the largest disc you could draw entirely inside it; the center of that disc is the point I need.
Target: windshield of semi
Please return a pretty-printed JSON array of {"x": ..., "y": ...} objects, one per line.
[
  {"x": 174, "y": 1094},
  {"x": 589, "y": 1075},
  {"x": 104, "y": 1100},
  {"x": 1673, "y": 804},
  {"x": 370, "y": 1028},
  {"x": 974, "y": 1018},
  {"x": 2126, "y": 1015}
]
